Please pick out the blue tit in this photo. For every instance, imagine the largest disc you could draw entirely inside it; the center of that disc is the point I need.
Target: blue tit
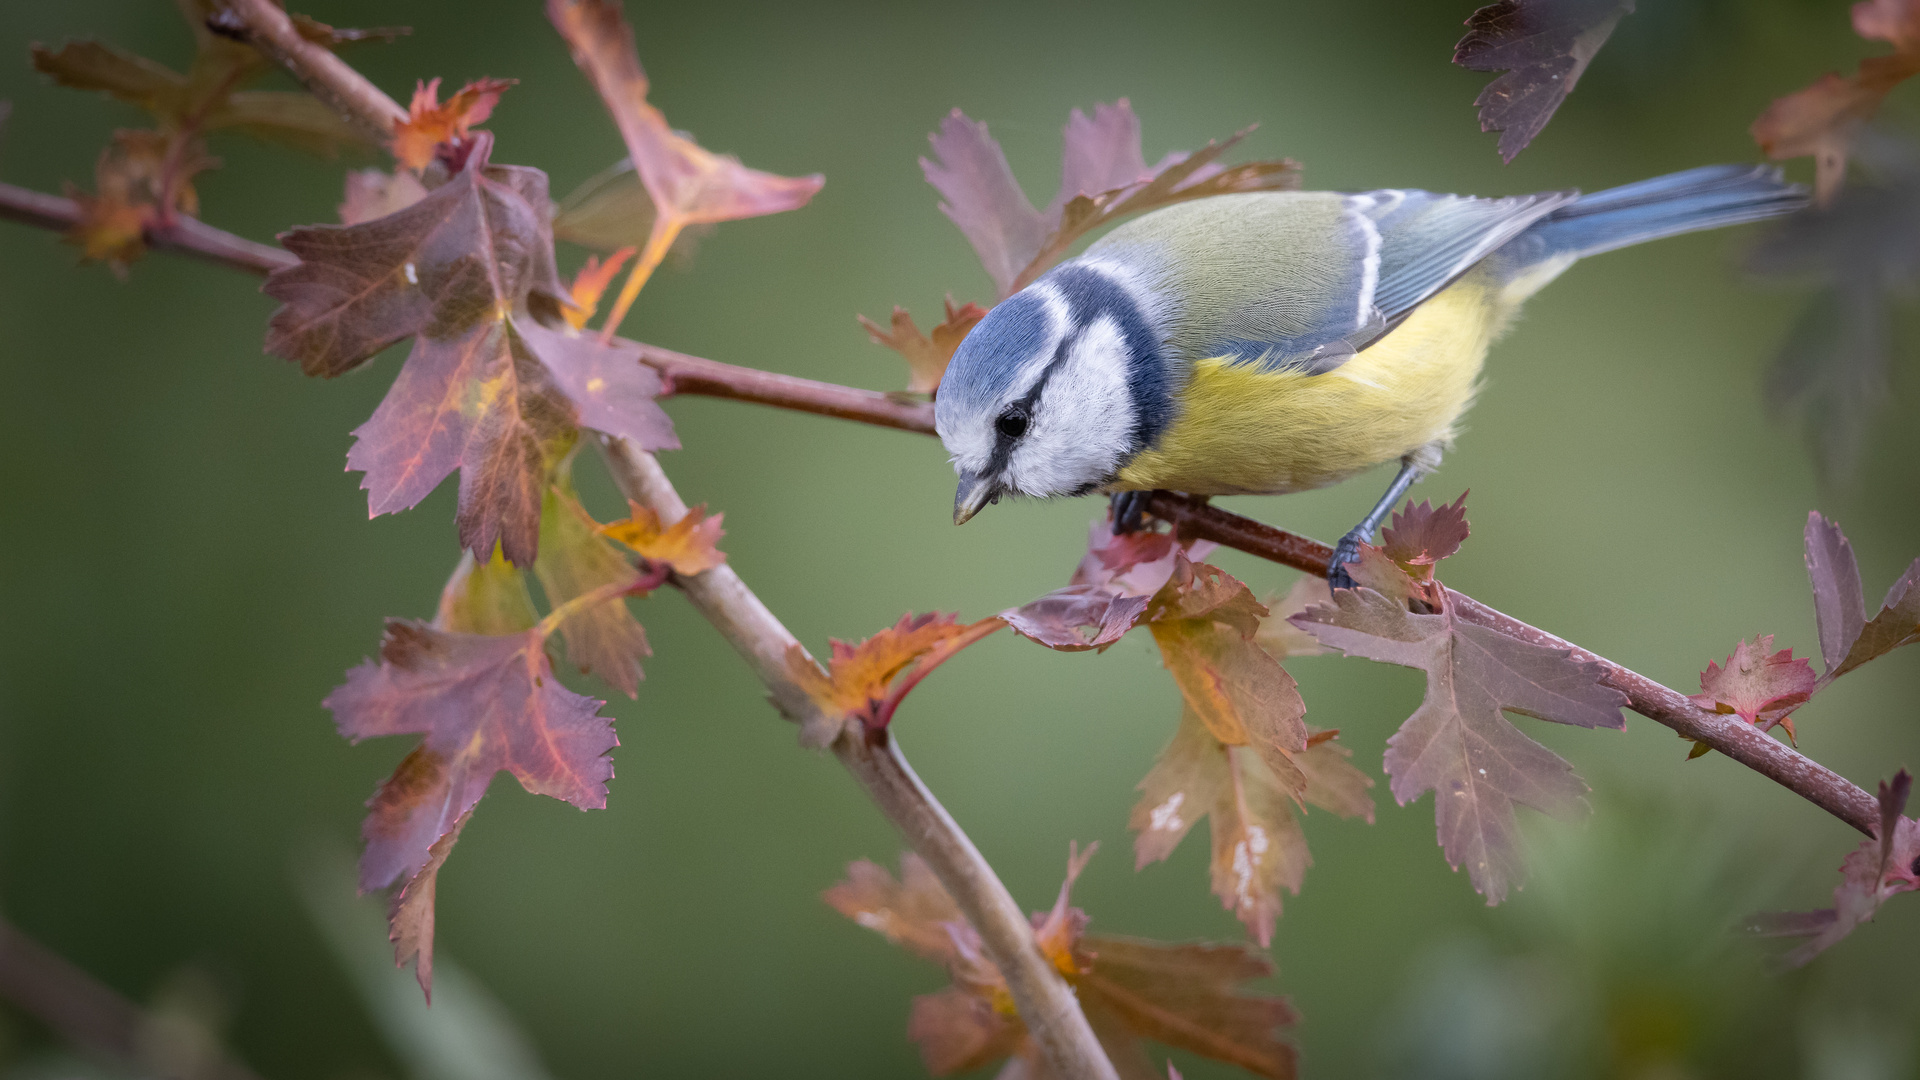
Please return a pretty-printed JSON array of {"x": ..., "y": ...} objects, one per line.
[{"x": 1272, "y": 342}]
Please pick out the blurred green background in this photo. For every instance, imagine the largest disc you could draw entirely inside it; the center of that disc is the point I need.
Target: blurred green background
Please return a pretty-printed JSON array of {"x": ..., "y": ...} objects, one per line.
[{"x": 187, "y": 571}]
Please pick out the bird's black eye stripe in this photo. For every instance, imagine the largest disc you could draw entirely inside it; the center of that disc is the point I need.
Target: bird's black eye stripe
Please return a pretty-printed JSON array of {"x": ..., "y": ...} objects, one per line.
[{"x": 1013, "y": 422}]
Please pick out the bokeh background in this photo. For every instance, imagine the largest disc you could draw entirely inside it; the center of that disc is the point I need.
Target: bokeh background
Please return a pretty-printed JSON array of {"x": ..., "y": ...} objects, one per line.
[{"x": 187, "y": 570}]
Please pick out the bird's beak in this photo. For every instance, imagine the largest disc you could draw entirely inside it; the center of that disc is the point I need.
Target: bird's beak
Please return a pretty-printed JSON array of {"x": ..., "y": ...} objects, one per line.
[{"x": 975, "y": 492}]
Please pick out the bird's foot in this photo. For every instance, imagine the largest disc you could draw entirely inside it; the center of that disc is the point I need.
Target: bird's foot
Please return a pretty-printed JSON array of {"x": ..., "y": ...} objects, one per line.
[
  {"x": 1346, "y": 551},
  {"x": 1128, "y": 510}
]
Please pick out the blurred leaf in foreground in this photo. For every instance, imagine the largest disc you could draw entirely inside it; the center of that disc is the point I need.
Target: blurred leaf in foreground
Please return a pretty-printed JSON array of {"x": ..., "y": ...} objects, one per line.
[
  {"x": 1543, "y": 46},
  {"x": 1862, "y": 250},
  {"x": 1824, "y": 119},
  {"x": 1185, "y": 996}
]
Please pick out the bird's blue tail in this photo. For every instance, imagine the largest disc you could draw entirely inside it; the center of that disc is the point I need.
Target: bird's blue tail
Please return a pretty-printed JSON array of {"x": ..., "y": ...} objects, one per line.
[{"x": 1705, "y": 198}]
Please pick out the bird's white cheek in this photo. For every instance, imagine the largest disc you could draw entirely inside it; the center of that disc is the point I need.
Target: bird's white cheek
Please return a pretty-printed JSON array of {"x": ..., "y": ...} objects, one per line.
[
  {"x": 969, "y": 450},
  {"x": 1083, "y": 427}
]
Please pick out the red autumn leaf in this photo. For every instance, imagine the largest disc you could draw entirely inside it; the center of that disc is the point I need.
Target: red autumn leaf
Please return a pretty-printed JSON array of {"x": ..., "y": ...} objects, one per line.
[
  {"x": 410, "y": 917},
  {"x": 1258, "y": 846},
  {"x": 1847, "y": 638},
  {"x": 483, "y": 704},
  {"x": 590, "y": 284},
  {"x": 1544, "y": 46},
  {"x": 1421, "y": 535},
  {"x": 487, "y": 389},
  {"x": 1108, "y": 593},
  {"x": 1458, "y": 745},
  {"x": 574, "y": 561},
  {"x": 1758, "y": 684},
  {"x": 1204, "y": 622},
  {"x": 144, "y": 178},
  {"x": 431, "y": 124},
  {"x": 1190, "y": 997},
  {"x": 687, "y": 183},
  {"x": 1880, "y": 868},
  {"x": 927, "y": 357},
  {"x": 1103, "y": 178},
  {"x": 1823, "y": 119},
  {"x": 372, "y": 194},
  {"x": 866, "y": 682},
  {"x": 687, "y": 545}
]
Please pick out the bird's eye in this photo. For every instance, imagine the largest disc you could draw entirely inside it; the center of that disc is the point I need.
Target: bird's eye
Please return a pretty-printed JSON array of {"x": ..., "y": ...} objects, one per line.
[{"x": 1012, "y": 423}]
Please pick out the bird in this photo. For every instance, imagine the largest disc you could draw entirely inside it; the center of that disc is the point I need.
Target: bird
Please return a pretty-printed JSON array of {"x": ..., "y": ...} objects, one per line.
[{"x": 1279, "y": 341}]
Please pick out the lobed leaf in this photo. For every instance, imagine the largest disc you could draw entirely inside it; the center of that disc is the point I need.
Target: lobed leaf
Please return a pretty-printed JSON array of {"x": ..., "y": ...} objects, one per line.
[
  {"x": 575, "y": 560},
  {"x": 487, "y": 389},
  {"x": 486, "y": 598},
  {"x": 483, "y": 704},
  {"x": 687, "y": 545},
  {"x": 1103, "y": 176},
  {"x": 211, "y": 96},
  {"x": 1543, "y": 46},
  {"x": 866, "y": 682},
  {"x": 914, "y": 912},
  {"x": 1420, "y": 535},
  {"x": 1258, "y": 846},
  {"x": 1761, "y": 686},
  {"x": 1824, "y": 119},
  {"x": 927, "y": 357},
  {"x": 432, "y": 125},
  {"x": 1192, "y": 997},
  {"x": 1832, "y": 373},
  {"x": 1458, "y": 744},
  {"x": 1880, "y": 868},
  {"x": 142, "y": 179},
  {"x": 684, "y": 180},
  {"x": 410, "y": 918},
  {"x": 1109, "y": 592}
]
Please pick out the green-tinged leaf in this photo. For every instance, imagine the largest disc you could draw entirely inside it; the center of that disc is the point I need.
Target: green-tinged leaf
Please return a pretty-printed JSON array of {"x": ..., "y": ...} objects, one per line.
[{"x": 575, "y": 560}]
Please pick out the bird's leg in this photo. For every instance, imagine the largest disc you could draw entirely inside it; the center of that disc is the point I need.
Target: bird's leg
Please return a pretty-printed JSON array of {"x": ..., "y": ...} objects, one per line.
[
  {"x": 1128, "y": 508},
  {"x": 1412, "y": 468}
]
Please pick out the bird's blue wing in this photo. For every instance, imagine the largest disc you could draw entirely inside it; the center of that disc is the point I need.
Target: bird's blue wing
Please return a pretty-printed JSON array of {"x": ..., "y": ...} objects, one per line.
[{"x": 1428, "y": 240}]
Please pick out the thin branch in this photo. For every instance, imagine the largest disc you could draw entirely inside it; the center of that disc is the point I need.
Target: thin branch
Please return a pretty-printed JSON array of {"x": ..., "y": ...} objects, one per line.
[
  {"x": 326, "y": 76},
  {"x": 88, "y": 1013},
  {"x": 184, "y": 235},
  {"x": 1194, "y": 517},
  {"x": 685, "y": 374},
  {"x": 1045, "y": 1001}
]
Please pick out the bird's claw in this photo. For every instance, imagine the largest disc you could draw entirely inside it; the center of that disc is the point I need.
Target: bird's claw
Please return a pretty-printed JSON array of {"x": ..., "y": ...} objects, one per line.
[
  {"x": 1129, "y": 510},
  {"x": 1346, "y": 551}
]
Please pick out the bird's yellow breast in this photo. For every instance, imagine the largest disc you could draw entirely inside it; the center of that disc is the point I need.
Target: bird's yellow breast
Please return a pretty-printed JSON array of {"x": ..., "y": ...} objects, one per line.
[{"x": 1242, "y": 430}]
